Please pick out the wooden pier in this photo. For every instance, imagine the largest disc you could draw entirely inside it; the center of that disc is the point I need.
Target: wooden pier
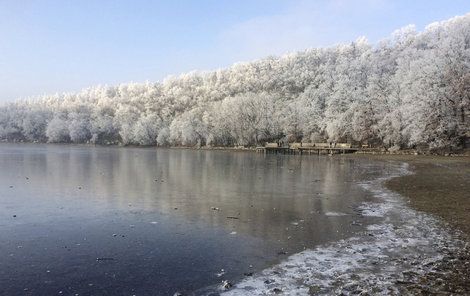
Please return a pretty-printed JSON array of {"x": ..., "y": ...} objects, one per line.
[{"x": 307, "y": 148}]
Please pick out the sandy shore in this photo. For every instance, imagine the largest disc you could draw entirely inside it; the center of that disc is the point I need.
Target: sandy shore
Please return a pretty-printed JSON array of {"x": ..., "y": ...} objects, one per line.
[{"x": 439, "y": 186}]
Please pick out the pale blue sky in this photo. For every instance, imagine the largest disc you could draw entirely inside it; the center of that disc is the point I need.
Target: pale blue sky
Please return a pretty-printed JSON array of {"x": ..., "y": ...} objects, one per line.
[{"x": 51, "y": 46}]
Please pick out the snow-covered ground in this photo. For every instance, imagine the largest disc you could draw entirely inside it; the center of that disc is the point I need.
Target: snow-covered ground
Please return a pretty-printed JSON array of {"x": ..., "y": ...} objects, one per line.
[{"x": 381, "y": 260}]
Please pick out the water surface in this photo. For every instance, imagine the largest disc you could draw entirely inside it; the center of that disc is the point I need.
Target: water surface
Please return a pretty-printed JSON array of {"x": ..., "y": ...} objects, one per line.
[{"x": 144, "y": 221}]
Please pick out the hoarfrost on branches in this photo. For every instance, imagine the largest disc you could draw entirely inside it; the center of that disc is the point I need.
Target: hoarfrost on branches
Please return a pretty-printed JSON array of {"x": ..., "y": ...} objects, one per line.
[{"x": 410, "y": 90}]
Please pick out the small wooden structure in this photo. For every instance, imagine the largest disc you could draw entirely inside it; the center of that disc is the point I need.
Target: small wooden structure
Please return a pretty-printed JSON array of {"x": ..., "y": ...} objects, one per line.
[
  {"x": 307, "y": 148},
  {"x": 295, "y": 145},
  {"x": 272, "y": 145}
]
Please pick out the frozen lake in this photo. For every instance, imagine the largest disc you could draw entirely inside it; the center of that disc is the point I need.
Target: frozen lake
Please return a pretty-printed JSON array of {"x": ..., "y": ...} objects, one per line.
[{"x": 145, "y": 221}]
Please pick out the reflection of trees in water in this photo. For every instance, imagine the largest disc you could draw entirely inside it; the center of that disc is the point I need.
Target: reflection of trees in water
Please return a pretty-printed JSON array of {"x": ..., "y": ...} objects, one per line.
[{"x": 267, "y": 193}]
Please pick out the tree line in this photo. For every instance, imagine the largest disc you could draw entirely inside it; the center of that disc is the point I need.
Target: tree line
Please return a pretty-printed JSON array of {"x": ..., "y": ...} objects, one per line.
[{"x": 412, "y": 89}]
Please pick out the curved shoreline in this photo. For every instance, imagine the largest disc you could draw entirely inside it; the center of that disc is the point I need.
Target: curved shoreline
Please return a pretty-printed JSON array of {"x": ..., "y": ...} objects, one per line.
[
  {"x": 407, "y": 253},
  {"x": 440, "y": 186}
]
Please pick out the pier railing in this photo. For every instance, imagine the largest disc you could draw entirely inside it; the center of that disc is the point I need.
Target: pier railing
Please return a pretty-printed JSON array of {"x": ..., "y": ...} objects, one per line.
[{"x": 307, "y": 148}]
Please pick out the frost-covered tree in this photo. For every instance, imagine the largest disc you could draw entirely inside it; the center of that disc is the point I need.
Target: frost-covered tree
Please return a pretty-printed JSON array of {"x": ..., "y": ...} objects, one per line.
[
  {"x": 57, "y": 131},
  {"x": 410, "y": 90},
  {"x": 146, "y": 129}
]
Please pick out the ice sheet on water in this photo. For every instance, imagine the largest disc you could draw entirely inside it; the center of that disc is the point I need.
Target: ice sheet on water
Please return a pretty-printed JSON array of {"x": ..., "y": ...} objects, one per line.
[{"x": 400, "y": 248}]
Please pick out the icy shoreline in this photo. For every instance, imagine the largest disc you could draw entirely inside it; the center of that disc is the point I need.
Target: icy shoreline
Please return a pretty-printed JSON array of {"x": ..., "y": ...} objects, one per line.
[{"x": 383, "y": 260}]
